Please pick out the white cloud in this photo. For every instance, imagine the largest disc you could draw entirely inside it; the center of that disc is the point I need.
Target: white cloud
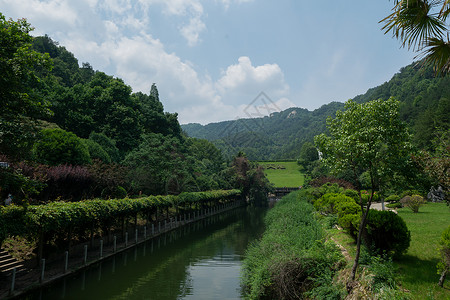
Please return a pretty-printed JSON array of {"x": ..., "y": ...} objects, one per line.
[
  {"x": 191, "y": 32},
  {"x": 114, "y": 36},
  {"x": 242, "y": 81}
]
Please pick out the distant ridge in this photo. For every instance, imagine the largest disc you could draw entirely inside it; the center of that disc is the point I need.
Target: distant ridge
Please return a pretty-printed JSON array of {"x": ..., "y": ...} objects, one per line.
[{"x": 425, "y": 103}]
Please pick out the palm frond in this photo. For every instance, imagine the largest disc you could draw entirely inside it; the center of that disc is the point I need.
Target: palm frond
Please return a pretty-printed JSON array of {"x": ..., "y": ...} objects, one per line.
[
  {"x": 445, "y": 10},
  {"x": 437, "y": 54},
  {"x": 413, "y": 22}
]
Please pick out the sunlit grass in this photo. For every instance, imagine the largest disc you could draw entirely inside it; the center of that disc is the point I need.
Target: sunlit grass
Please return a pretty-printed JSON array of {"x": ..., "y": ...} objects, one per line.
[
  {"x": 417, "y": 268},
  {"x": 290, "y": 176}
]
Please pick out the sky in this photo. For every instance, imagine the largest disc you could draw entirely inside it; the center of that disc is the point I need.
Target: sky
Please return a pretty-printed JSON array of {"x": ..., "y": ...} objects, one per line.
[{"x": 213, "y": 60}]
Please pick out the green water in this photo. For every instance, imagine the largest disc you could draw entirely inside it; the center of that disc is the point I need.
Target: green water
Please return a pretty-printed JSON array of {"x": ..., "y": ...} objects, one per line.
[{"x": 200, "y": 261}]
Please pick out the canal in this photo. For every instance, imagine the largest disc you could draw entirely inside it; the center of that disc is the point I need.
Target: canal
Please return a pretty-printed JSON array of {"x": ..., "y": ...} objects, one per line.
[{"x": 202, "y": 260}]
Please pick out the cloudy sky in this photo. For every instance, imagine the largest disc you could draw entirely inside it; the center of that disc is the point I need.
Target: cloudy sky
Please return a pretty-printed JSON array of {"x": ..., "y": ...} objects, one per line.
[{"x": 211, "y": 59}]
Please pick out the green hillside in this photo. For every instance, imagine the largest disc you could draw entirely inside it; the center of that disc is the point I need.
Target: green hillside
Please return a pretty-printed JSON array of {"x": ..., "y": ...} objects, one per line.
[{"x": 425, "y": 103}]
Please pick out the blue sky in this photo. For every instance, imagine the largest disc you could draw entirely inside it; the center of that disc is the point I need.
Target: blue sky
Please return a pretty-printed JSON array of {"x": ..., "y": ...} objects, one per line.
[{"x": 210, "y": 59}]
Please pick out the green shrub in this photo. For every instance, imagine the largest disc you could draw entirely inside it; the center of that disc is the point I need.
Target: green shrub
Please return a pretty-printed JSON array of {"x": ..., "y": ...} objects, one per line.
[
  {"x": 349, "y": 213},
  {"x": 59, "y": 147},
  {"x": 394, "y": 205},
  {"x": 386, "y": 233},
  {"x": 96, "y": 151},
  {"x": 352, "y": 194},
  {"x": 328, "y": 202},
  {"x": 392, "y": 198},
  {"x": 413, "y": 202}
]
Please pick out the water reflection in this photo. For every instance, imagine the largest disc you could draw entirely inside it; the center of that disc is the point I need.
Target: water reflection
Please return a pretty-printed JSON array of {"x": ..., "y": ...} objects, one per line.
[{"x": 199, "y": 261}]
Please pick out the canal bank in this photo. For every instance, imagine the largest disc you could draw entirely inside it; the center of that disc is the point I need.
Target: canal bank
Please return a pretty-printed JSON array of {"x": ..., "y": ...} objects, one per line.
[{"x": 176, "y": 258}]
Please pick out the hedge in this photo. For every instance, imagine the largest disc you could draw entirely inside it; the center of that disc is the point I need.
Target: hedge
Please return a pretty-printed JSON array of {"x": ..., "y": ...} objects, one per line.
[{"x": 61, "y": 216}]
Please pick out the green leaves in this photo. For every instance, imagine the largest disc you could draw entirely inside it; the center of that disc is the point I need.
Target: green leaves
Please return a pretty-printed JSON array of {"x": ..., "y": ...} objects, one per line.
[
  {"x": 421, "y": 25},
  {"x": 60, "y": 216}
]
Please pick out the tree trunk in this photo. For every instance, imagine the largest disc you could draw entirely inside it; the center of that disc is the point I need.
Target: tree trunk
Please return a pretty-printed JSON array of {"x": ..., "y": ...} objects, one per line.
[{"x": 442, "y": 278}]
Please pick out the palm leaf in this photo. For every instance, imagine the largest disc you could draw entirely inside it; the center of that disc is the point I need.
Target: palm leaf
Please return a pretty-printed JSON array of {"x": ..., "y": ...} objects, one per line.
[
  {"x": 413, "y": 22},
  {"x": 437, "y": 54}
]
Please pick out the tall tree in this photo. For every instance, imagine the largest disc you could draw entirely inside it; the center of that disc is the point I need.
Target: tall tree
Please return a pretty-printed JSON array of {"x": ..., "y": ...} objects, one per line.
[
  {"x": 370, "y": 138},
  {"x": 422, "y": 25},
  {"x": 20, "y": 107}
]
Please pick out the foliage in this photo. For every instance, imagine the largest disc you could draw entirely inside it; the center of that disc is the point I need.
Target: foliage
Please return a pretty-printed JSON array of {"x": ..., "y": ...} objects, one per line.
[
  {"x": 61, "y": 216},
  {"x": 20, "y": 186},
  {"x": 250, "y": 179},
  {"x": 392, "y": 198},
  {"x": 57, "y": 147},
  {"x": 317, "y": 182},
  {"x": 96, "y": 151},
  {"x": 444, "y": 248},
  {"x": 386, "y": 233},
  {"x": 413, "y": 202},
  {"x": 368, "y": 138},
  {"x": 291, "y": 258},
  {"x": 20, "y": 108},
  {"x": 421, "y": 25},
  {"x": 159, "y": 165}
]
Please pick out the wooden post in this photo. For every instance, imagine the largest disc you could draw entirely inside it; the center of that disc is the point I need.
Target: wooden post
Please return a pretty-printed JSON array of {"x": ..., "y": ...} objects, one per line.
[
  {"x": 85, "y": 254},
  {"x": 115, "y": 244},
  {"x": 66, "y": 261},
  {"x": 101, "y": 248},
  {"x": 40, "y": 246},
  {"x": 42, "y": 270},
  {"x": 13, "y": 281}
]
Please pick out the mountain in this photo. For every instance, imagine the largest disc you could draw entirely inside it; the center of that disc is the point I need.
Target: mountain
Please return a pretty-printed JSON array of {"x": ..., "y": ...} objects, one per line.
[{"x": 425, "y": 107}]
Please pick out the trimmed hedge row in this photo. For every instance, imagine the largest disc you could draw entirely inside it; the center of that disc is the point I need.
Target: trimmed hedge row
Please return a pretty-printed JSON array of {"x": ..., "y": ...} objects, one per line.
[{"x": 60, "y": 216}]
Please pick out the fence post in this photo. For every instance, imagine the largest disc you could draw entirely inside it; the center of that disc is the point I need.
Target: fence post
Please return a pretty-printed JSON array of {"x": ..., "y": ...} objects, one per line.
[
  {"x": 13, "y": 280},
  {"x": 145, "y": 232},
  {"x": 126, "y": 239},
  {"x": 42, "y": 270},
  {"x": 66, "y": 261},
  {"x": 85, "y": 254},
  {"x": 115, "y": 244},
  {"x": 136, "y": 236},
  {"x": 101, "y": 248},
  {"x": 153, "y": 229}
]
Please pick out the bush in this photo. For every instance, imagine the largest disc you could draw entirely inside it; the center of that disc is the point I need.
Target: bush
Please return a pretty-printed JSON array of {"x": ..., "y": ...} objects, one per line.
[
  {"x": 58, "y": 147},
  {"x": 394, "y": 205},
  {"x": 349, "y": 213},
  {"x": 96, "y": 151},
  {"x": 392, "y": 198},
  {"x": 413, "y": 202},
  {"x": 386, "y": 233}
]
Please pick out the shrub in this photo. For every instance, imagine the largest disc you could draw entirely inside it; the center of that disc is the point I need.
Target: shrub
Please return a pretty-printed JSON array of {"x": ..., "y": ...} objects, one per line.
[
  {"x": 349, "y": 213},
  {"x": 394, "y": 205},
  {"x": 392, "y": 198},
  {"x": 57, "y": 147},
  {"x": 386, "y": 233},
  {"x": 413, "y": 202},
  {"x": 96, "y": 151}
]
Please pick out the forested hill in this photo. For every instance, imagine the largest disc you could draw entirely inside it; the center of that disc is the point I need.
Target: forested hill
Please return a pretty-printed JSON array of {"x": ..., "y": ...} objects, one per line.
[
  {"x": 425, "y": 106},
  {"x": 279, "y": 136}
]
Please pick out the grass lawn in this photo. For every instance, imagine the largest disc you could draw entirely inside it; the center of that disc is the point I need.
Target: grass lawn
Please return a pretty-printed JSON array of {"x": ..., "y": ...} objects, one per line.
[
  {"x": 283, "y": 174},
  {"x": 417, "y": 268}
]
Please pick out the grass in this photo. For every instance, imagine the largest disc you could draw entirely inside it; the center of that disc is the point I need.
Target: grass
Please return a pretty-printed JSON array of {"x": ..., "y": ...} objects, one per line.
[
  {"x": 285, "y": 174},
  {"x": 417, "y": 268}
]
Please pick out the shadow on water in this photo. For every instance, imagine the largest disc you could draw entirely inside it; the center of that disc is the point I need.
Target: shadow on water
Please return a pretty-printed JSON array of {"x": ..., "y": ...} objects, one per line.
[{"x": 199, "y": 261}]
